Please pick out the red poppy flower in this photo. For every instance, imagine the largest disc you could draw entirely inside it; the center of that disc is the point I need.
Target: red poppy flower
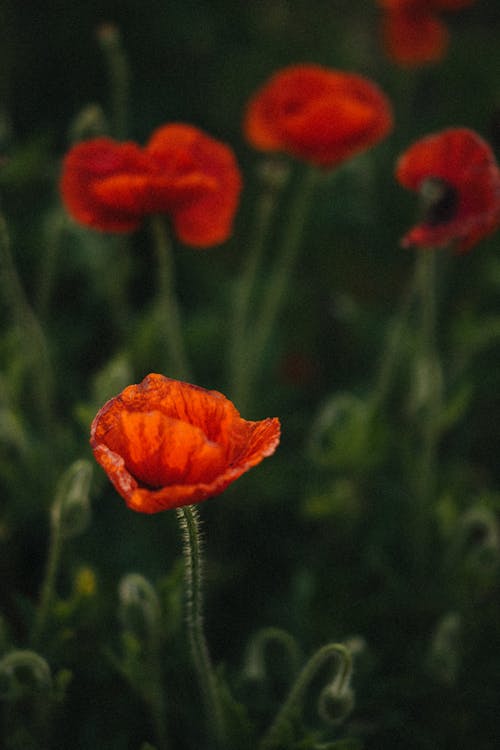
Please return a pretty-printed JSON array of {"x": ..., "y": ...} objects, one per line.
[
  {"x": 413, "y": 31},
  {"x": 316, "y": 114},
  {"x": 458, "y": 179},
  {"x": 182, "y": 172},
  {"x": 164, "y": 443}
]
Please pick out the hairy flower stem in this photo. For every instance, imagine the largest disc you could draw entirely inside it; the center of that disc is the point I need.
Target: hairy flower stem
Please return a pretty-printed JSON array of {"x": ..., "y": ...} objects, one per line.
[
  {"x": 33, "y": 336},
  {"x": 278, "y": 283},
  {"x": 238, "y": 351},
  {"x": 275, "y": 737},
  {"x": 426, "y": 270},
  {"x": 49, "y": 582},
  {"x": 178, "y": 365},
  {"x": 190, "y": 526}
]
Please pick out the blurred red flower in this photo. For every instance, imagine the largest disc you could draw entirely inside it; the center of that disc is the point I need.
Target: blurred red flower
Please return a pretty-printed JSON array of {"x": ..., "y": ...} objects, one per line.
[
  {"x": 316, "y": 114},
  {"x": 164, "y": 443},
  {"x": 413, "y": 32},
  {"x": 458, "y": 179},
  {"x": 182, "y": 172}
]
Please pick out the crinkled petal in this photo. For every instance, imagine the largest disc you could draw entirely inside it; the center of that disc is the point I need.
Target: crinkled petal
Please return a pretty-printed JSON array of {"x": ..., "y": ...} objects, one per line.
[{"x": 164, "y": 443}]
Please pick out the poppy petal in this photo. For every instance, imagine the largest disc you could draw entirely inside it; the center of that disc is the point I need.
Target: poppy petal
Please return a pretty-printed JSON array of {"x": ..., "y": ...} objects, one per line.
[
  {"x": 184, "y": 152},
  {"x": 164, "y": 443},
  {"x": 91, "y": 165},
  {"x": 464, "y": 161},
  {"x": 414, "y": 37},
  {"x": 316, "y": 114}
]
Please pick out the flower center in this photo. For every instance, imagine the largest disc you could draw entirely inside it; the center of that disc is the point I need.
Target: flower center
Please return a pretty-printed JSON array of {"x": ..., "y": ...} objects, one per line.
[{"x": 439, "y": 201}]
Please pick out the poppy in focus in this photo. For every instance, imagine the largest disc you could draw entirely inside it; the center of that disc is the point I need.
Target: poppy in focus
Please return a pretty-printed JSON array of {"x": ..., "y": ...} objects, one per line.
[
  {"x": 413, "y": 32},
  {"x": 319, "y": 115},
  {"x": 165, "y": 443},
  {"x": 458, "y": 180},
  {"x": 182, "y": 172}
]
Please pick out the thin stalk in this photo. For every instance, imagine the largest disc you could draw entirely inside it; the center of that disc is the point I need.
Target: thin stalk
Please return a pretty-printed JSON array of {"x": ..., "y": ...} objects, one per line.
[
  {"x": 189, "y": 523},
  {"x": 169, "y": 306},
  {"x": 389, "y": 360},
  {"x": 279, "y": 281},
  {"x": 34, "y": 338},
  {"x": 288, "y": 712},
  {"x": 427, "y": 279},
  {"x": 116, "y": 282},
  {"x": 238, "y": 352},
  {"x": 49, "y": 581},
  {"x": 155, "y": 699},
  {"x": 118, "y": 73},
  {"x": 55, "y": 233}
]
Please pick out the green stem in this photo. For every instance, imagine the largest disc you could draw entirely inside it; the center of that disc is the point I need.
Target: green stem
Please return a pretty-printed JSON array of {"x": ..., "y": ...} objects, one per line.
[
  {"x": 169, "y": 306},
  {"x": 55, "y": 233},
  {"x": 118, "y": 72},
  {"x": 238, "y": 352},
  {"x": 255, "y": 666},
  {"x": 49, "y": 582},
  {"x": 189, "y": 523},
  {"x": 155, "y": 698},
  {"x": 288, "y": 713},
  {"x": 278, "y": 282},
  {"x": 389, "y": 360},
  {"x": 34, "y": 338},
  {"x": 426, "y": 270}
]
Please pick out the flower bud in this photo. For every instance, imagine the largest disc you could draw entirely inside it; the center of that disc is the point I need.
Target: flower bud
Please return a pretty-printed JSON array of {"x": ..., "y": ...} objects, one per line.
[
  {"x": 71, "y": 508},
  {"x": 85, "y": 583},
  {"x": 479, "y": 530},
  {"x": 139, "y": 607},
  {"x": 335, "y": 704},
  {"x": 444, "y": 654},
  {"x": 23, "y": 673},
  {"x": 273, "y": 173},
  {"x": 89, "y": 123},
  {"x": 345, "y": 435}
]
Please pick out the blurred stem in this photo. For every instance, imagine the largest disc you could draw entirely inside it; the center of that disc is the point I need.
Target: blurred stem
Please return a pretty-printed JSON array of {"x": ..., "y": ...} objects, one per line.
[
  {"x": 274, "y": 739},
  {"x": 389, "y": 360},
  {"x": 278, "y": 283},
  {"x": 34, "y": 338},
  {"x": 116, "y": 282},
  {"x": 169, "y": 306},
  {"x": 426, "y": 270},
  {"x": 118, "y": 73},
  {"x": 55, "y": 233},
  {"x": 189, "y": 523},
  {"x": 155, "y": 698},
  {"x": 238, "y": 352},
  {"x": 49, "y": 581}
]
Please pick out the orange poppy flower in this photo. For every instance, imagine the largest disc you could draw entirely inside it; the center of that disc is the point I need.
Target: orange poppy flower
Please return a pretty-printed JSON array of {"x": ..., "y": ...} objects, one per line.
[
  {"x": 182, "y": 172},
  {"x": 458, "y": 179},
  {"x": 413, "y": 32},
  {"x": 164, "y": 443},
  {"x": 316, "y": 114}
]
